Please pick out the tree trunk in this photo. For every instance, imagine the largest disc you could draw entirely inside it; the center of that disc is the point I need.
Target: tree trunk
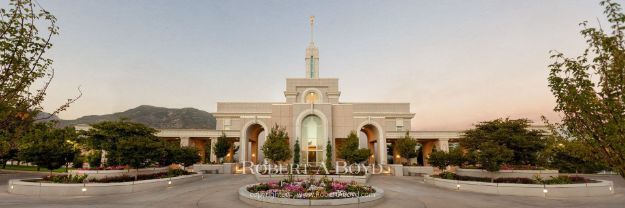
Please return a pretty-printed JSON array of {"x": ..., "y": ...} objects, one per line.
[{"x": 136, "y": 174}]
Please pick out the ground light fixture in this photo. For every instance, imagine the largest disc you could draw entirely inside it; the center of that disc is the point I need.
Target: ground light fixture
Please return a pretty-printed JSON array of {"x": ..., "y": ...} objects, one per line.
[
  {"x": 12, "y": 187},
  {"x": 169, "y": 182},
  {"x": 458, "y": 186},
  {"x": 610, "y": 188},
  {"x": 545, "y": 191},
  {"x": 84, "y": 189}
]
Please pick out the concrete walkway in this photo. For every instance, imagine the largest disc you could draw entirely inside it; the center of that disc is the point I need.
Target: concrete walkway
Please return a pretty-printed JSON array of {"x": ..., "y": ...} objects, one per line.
[{"x": 220, "y": 191}]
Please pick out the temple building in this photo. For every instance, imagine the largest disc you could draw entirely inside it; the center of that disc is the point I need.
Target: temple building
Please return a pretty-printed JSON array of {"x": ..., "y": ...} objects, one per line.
[{"x": 312, "y": 112}]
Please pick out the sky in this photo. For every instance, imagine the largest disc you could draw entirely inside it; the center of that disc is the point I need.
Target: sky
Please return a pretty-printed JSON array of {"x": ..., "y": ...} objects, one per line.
[{"x": 455, "y": 62}]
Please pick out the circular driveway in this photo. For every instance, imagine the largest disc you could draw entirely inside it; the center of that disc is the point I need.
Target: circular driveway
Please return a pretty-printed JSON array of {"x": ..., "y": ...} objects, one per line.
[{"x": 220, "y": 190}]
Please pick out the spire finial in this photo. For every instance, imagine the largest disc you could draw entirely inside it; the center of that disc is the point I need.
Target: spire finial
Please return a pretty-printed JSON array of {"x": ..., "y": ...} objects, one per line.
[{"x": 312, "y": 28}]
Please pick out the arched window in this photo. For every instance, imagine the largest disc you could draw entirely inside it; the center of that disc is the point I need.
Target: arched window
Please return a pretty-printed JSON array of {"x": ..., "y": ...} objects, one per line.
[
  {"x": 311, "y": 97},
  {"x": 312, "y": 137}
]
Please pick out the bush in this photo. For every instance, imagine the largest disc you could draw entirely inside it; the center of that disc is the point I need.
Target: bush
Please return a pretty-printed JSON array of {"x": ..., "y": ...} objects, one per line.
[
  {"x": 512, "y": 134},
  {"x": 407, "y": 147},
  {"x": 65, "y": 179},
  {"x": 276, "y": 147},
  {"x": 78, "y": 162},
  {"x": 439, "y": 159},
  {"x": 492, "y": 156},
  {"x": 94, "y": 159},
  {"x": 514, "y": 180},
  {"x": 350, "y": 152},
  {"x": 127, "y": 178}
]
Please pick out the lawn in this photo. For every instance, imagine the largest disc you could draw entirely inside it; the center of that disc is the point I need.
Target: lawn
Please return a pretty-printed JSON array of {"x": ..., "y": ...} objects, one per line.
[{"x": 31, "y": 168}]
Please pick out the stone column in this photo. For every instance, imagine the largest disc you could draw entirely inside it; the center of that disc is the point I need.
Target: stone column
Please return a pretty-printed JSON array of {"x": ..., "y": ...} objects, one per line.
[
  {"x": 213, "y": 157},
  {"x": 442, "y": 144},
  {"x": 243, "y": 148},
  {"x": 382, "y": 149},
  {"x": 184, "y": 141}
]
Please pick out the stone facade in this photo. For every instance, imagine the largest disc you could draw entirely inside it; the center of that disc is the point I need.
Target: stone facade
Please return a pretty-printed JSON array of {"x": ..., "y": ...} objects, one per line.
[{"x": 313, "y": 114}]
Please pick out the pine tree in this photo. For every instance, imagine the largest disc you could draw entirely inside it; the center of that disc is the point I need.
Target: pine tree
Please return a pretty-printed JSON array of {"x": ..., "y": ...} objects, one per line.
[
  {"x": 329, "y": 154},
  {"x": 296, "y": 152},
  {"x": 276, "y": 148}
]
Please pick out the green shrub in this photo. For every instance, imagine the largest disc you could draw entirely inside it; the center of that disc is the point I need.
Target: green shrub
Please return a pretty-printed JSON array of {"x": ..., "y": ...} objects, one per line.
[
  {"x": 65, "y": 178},
  {"x": 439, "y": 159}
]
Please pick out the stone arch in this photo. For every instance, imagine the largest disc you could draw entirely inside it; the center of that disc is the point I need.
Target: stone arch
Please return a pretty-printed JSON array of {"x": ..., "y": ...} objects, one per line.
[
  {"x": 375, "y": 129},
  {"x": 324, "y": 121},
  {"x": 253, "y": 126},
  {"x": 302, "y": 97}
]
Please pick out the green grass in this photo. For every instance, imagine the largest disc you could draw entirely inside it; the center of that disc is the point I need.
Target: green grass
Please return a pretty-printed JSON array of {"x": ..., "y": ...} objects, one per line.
[{"x": 32, "y": 168}]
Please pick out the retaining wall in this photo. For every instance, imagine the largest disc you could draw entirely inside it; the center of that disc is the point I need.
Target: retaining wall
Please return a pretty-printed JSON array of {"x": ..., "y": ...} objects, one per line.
[
  {"x": 20, "y": 186},
  {"x": 560, "y": 190}
]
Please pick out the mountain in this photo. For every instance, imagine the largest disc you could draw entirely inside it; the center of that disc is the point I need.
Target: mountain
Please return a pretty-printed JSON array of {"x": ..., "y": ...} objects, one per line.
[{"x": 155, "y": 117}]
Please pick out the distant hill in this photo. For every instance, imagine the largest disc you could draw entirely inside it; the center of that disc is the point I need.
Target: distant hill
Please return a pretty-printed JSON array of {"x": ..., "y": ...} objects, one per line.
[{"x": 155, "y": 117}]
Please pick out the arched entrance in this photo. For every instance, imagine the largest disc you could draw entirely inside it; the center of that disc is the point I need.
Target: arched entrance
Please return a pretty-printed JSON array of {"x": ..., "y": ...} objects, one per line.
[
  {"x": 255, "y": 134},
  {"x": 312, "y": 140},
  {"x": 369, "y": 136}
]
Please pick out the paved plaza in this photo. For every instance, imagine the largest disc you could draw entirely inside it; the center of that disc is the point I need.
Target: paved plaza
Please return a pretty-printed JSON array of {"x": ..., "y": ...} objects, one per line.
[{"x": 219, "y": 190}]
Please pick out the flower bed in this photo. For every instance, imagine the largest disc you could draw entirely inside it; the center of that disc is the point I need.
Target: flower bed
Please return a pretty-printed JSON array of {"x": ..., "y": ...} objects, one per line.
[
  {"x": 518, "y": 180},
  {"x": 119, "y": 167},
  {"x": 311, "y": 189},
  {"x": 69, "y": 179},
  {"x": 596, "y": 188}
]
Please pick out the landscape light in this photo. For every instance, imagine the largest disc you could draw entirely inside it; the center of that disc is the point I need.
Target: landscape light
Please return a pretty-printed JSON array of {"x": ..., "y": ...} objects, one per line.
[
  {"x": 545, "y": 191},
  {"x": 169, "y": 182},
  {"x": 12, "y": 187},
  {"x": 84, "y": 189},
  {"x": 458, "y": 186},
  {"x": 610, "y": 188}
]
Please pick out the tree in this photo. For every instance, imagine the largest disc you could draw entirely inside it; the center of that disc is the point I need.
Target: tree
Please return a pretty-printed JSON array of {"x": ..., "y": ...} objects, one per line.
[
  {"x": 456, "y": 156},
  {"x": 407, "y": 147},
  {"x": 491, "y": 156},
  {"x": 23, "y": 62},
  {"x": 222, "y": 147},
  {"x": 439, "y": 159},
  {"x": 350, "y": 152},
  {"x": 509, "y": 133},
  {"x": 187, "y": 156},
  {"x": 139, "y": 151},
  {"x": 276, "y": 147},
  {"x": 48, "y": 147},
  {"x": 296, "y": 152},
  {"x": 107, "y": 135},
  {"x": 171, "y": 151},
  {"x": 329, "y": 155},
  {"x": 569, "y": 155},
  {"x": 590, "y": 89}
]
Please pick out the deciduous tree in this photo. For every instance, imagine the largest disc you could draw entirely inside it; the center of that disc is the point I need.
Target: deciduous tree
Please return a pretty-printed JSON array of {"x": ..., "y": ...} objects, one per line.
[
  {"x": 26, "y": 31},
  {"x": 590, "y": 89}
]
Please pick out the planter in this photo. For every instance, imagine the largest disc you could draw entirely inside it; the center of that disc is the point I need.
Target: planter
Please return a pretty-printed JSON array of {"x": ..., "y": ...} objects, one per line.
[
  {"x": 268, "y": 201},
  {"x": 544, "y": 174},
  {"x": 346, "y": 178},
  {"x": 418, "y": 170},
  {"x": 100, "y": 174},
  {"x": 396, "y": 169},
  {"x": 208, "y": 168},
  {"x": 561, "y": 190},
  {"x": 22, "y": 187}
]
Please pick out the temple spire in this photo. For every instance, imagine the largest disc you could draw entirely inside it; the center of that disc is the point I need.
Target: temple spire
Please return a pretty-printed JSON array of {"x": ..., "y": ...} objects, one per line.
[
  {"x": 312, "y": 54},
  {"x": 312, "y": 30}
]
